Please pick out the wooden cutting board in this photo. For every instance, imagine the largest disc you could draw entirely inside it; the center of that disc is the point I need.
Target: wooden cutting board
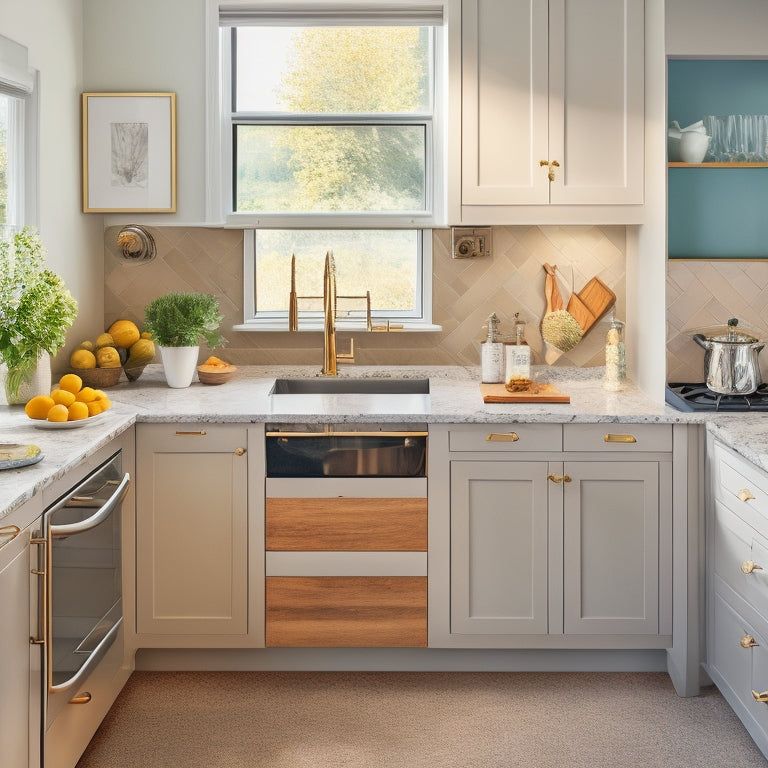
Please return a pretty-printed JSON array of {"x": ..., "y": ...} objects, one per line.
[{"x": 548, "y": 393}]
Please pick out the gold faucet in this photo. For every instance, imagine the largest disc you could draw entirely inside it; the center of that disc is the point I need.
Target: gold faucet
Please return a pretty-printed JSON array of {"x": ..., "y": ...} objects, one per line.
[{"x": 330, "y": 356}]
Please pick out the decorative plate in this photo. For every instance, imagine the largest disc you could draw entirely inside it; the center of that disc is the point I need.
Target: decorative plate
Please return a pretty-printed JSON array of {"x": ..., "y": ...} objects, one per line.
[{"x": 22, "y": 455}]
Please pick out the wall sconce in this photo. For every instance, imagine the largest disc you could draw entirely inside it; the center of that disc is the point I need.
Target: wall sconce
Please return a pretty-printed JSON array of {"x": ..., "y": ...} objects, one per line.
[{"x": 136, "y": 244}]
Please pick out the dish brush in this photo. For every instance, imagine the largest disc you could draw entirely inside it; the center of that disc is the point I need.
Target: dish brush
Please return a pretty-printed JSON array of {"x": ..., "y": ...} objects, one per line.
[{"x": 560, "y": 330}]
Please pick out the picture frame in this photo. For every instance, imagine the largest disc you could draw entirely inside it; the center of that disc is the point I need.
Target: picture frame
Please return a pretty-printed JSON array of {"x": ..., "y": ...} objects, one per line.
[{"x": 129, "y": 152}]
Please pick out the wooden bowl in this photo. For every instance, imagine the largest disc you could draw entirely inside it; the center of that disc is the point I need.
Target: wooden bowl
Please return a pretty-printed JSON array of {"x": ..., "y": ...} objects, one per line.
[
  {"x": 133, "y": 373},
  {"x": 211, "y": 377},
  {"x": 99, "y": 378}
]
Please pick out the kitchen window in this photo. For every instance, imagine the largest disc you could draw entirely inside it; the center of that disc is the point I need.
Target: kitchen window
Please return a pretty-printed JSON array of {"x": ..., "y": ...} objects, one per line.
[
  {"x": 18, "y": 139},
  {"x": 331, "y": 140}
]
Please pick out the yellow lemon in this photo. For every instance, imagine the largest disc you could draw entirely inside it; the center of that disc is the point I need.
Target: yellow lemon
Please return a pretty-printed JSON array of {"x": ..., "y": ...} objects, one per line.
[
  {"x": 104, "y": 340},
  {"x": 87, "y": 344},
  {"x": 146, "y": 335},
  {"x": 38, "y": 407},
  {"x": 107, "y": 357},
  {"x": 86, "y": 395},
  {"x": 71, "y": 382},
  {"x": 78, "y": 411},
  {"x": 94, "y": 407},
  {"x": 82, "y": 358},
  {"x": 105, "y": 403},
  {"x": 63, "y": 396},
  {"x": 59, "y": 412},
  {"x": 124, "y": 333}
]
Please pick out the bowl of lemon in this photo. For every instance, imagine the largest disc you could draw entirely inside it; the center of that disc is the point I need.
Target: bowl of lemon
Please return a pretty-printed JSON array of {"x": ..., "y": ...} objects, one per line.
[{"x": 69, "y": 404}]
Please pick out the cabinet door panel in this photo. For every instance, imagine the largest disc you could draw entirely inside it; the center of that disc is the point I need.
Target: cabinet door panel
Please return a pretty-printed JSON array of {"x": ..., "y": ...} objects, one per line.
[
  {"x": 499, "y": 529},
  {"x": 596, "y": 118},
  {"x": 504, "y": 102},
  {"x": 611, "y": 548},
  {"x": 192, "y": 526}
]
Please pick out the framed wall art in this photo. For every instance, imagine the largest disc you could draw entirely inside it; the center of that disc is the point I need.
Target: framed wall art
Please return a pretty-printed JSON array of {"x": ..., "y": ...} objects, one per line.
[{"x": 129, "y": 152}]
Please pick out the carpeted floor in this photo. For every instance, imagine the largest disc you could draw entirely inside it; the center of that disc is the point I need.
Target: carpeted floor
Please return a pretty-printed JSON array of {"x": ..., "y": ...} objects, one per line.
[{"x": 416, "y": 720}]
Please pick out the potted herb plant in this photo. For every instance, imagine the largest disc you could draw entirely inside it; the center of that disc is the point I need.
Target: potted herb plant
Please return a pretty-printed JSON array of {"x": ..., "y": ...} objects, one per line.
[
  {"x": 36, "y": 309},
  {"x": 177, "y": 322}
]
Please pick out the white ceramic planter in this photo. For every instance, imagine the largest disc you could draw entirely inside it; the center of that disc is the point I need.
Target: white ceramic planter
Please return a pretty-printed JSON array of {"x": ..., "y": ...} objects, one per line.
[{"x": 179, "y": 364}]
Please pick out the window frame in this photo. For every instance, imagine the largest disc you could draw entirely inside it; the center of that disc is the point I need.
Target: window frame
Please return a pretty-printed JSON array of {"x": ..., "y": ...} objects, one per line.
[{"x": 21, "y": 82}]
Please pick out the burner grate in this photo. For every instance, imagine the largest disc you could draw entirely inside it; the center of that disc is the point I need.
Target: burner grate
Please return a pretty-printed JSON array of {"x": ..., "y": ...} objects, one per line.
[{"x": 697, "y": 397}]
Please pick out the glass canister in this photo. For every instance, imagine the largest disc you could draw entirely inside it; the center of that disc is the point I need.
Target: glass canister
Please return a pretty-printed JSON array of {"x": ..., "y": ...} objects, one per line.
[
  {"x": 615, "y": 357},
  {"x": 492, "y": 354},
  {"x": 518, "y": 354}
]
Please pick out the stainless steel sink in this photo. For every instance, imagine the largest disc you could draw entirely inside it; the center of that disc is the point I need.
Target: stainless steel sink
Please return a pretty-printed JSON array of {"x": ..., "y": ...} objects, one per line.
[{"x": 347, "y": 386}]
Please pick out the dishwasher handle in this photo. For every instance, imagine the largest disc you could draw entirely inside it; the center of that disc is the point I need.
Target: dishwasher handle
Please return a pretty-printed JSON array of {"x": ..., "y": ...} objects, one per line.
[{"x": 70, "y": 529}]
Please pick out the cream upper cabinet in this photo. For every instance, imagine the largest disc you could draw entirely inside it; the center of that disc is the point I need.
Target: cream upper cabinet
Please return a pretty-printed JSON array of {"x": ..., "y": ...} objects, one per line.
[{"x": 552, "y": 109}]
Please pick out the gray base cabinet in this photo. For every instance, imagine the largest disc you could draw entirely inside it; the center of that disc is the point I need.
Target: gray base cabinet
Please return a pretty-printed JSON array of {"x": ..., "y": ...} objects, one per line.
[
  {"x": 198, "y": 584},
  {"x": 737, "y": 587},
  {"x": 553, "y": 548}
]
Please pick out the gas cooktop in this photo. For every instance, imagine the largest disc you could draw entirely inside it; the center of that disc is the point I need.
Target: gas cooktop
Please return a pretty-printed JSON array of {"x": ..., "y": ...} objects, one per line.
[{"x": 697, "y": 397}]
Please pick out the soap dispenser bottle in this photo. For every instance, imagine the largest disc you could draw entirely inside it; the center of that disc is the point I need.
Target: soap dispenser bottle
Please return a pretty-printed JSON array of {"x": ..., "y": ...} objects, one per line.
[
  {"x": 492, "y": 354},
  {"x": 518, "y": 354}
]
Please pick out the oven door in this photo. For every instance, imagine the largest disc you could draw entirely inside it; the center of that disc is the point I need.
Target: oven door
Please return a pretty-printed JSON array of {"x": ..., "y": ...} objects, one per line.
[{"x": 83, "y": 595}]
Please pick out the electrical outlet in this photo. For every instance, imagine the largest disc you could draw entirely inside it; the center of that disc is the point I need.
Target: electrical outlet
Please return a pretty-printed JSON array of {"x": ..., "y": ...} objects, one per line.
[{"x": 470, "y": 243}]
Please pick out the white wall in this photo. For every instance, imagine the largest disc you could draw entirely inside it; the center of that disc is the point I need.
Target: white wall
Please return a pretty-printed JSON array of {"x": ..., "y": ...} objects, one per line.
[
  {"x": 146, "y": 45},
  {"x": 52, "y": 32}
]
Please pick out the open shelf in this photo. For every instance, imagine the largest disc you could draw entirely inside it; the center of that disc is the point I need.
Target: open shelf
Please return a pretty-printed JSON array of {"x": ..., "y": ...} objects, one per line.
[{"x": 717, "y": 165}]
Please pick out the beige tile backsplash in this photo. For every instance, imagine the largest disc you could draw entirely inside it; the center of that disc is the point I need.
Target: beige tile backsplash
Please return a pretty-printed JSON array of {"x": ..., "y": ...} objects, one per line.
[
  {"x": 465, "y": 292},
  {"x": 703, "y": 293}
]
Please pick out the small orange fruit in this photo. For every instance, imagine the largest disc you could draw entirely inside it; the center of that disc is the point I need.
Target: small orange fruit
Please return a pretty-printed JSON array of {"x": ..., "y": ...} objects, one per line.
[
  {"x": 82, "y": 358},
  {"x": 86, "y": 395},
  {"x": 71, "y": 382},
  {"x": 105, "y": 403},
  {"x": 38, "y": 407},
  {"x": 78, "y": 411},
  {"x": 63, "y": 397},
  {"x": 94, "y": 407},
  {"x": 59, "y": 412}
]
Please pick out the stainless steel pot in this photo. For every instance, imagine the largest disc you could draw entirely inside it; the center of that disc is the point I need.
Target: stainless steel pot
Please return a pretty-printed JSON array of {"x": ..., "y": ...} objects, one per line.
[{"x": 731, "y": 363}]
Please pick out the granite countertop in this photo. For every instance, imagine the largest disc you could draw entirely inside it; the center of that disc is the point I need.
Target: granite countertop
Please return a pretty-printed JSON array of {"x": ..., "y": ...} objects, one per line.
[{"x": 454, "y": 398}]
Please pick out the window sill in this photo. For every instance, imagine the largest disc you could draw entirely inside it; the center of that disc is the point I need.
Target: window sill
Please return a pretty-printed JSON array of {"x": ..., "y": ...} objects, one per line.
[{"x": 281, "y": 326}]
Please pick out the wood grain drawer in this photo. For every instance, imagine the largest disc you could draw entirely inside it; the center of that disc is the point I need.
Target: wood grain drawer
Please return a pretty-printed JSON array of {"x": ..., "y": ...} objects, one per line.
[
  {"x": 618, "y": 438},
  {"x": 506, "y": 437},
  {"x": 741, "y": 557},
  {"x": 346, "y": 611},
  {"x": 346, "y": 524}
]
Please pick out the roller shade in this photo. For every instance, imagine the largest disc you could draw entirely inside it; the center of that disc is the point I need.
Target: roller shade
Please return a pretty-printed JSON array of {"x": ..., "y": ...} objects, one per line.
[
  {"x": 16, "y": 78},
  {"x": 237, "y": 14}
]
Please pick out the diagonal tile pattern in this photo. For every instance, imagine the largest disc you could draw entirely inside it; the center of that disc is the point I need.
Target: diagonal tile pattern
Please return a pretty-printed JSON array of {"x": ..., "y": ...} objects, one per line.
[{"x": 465, "y": 292}]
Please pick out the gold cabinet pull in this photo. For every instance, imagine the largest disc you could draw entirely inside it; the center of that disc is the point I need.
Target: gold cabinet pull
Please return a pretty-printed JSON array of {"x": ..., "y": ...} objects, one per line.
[
  {"x": 551, "y": 168},
  {"x": 614, "y": 438},
  {"x": 41, "y": 541},
  {"x": 198, "y": 433},
  {"x": 749, "y": 565},
  {"x": 503, "y": 437},
  {"x": 239, "y": 451},
  {"x": 744, "y": 495},
  {"x": 761, "y": 696},
  {"x": 748, "y": 642},
  {"x": 559, "y": 478},
  {"x": 9, "y": 530},
  {"x": 82, "y": 698}
]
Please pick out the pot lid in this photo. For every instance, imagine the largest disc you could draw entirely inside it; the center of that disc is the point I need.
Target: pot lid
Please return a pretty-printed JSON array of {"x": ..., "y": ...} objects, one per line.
[{"x": 732, "y": 332}]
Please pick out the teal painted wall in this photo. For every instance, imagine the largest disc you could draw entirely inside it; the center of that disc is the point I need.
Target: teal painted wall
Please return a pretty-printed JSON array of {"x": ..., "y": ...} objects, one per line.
[{"x": 717, "y": 213}]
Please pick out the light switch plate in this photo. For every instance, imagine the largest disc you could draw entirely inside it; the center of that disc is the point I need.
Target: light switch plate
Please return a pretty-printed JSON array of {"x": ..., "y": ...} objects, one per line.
[{"x": 468, "y": 243}]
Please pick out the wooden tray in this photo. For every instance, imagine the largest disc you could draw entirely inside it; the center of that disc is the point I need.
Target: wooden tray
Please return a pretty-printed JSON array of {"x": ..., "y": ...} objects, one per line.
[{"x": 548, "y": 393}]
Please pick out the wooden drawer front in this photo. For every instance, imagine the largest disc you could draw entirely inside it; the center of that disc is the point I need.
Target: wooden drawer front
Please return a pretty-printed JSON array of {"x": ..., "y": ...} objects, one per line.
[
  {"x": 743, "y": 488},
  {"x": 741, "y": 669},
  {"x": 627, "y": 438},
  {"x": 737, "y": 546},
  {"x": 348, "y": 611},
  {"x": 362, "y": 525},
  {"x": 507, "y": 437}
]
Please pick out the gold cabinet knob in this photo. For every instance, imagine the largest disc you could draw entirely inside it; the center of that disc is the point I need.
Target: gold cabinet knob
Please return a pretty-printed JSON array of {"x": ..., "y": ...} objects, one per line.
[
  {"x": 551, "y": 165},
  {"x": 239, "y": 451},
  {"x": 748, "y": 642},
  {"x": 760, "y": 696},
  {"x": 749, "y": 565},
  {"x": 559, "y": 478},
  {"x": 744, "y": 495}
]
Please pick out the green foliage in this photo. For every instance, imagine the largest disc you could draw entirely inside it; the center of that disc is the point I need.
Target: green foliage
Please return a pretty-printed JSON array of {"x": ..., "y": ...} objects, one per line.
[
  {"x": 36, "y": 309},
  {"x": 182, "y": 319}
]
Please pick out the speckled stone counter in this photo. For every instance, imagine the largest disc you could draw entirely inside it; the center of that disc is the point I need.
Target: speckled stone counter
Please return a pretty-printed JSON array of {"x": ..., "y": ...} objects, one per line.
[{"x": 454, "y": 398}]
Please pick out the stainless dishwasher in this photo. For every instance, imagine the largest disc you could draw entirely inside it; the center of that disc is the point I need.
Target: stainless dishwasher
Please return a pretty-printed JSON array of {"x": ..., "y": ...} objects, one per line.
[{"x": 344, "y": 450}]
